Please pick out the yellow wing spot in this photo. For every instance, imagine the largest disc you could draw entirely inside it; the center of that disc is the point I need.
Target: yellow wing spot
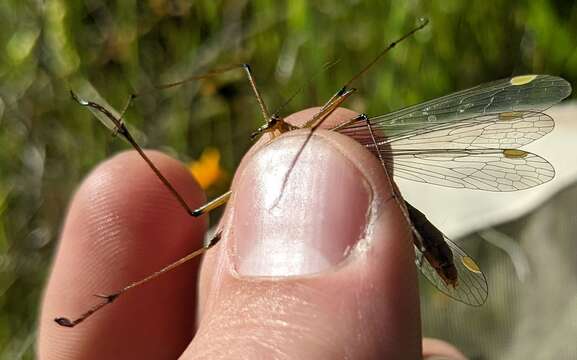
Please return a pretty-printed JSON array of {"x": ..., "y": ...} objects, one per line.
[
  {"x": 522, "y": 80},
  {"x": 511, "y": 115},
  {"x": 206, "y": 169},
  {"x": 470, "y": 264},
  {"x": 514, "y": 153}
]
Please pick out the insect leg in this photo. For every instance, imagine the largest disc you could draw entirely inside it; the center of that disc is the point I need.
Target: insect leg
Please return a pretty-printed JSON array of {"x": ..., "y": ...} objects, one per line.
[
  {"x": 213, "y": 204},
  {"x": 403, "y": 205},
  {"x": 121, "y": 130},
  {"x": 117, "y": 126},
  {"x": 110, "y": 298}
]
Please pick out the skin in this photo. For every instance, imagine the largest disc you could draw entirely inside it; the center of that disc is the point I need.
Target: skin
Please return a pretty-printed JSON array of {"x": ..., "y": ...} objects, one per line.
[{"x": 122, "y": 225}]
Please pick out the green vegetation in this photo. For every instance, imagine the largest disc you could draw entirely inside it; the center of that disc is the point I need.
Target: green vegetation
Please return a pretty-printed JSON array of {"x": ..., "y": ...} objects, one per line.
[{"x": 48, "y": 143}]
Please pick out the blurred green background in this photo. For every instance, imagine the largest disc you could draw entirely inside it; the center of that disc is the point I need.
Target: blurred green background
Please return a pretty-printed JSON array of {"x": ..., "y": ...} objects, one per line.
[{"x": 48, "y": 143}]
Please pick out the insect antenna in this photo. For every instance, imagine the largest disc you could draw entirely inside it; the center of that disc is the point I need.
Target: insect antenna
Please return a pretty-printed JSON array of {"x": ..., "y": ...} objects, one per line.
[
  {"x": 325, "y": 67},
  {"x": 422, "y": 22},
  {"x": 276, "y": 121}
]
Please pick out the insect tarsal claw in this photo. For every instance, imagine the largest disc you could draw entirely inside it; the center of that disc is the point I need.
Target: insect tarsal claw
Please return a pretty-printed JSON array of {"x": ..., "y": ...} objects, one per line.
[
  {"x": 62, "y": 321},
  {"x": 77, "y": 99}
]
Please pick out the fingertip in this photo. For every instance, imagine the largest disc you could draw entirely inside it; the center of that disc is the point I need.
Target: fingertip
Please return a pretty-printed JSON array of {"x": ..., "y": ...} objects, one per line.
[
  {"x": 439, "y": 349},
  {"x": 338, "y": 117},
  {"x": 364, "y": 306},
  {"x": 122, "y": 225}
]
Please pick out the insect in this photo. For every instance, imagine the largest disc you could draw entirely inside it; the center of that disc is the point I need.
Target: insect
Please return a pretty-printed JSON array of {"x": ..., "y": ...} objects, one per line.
[{"x": 469, "y": 139}]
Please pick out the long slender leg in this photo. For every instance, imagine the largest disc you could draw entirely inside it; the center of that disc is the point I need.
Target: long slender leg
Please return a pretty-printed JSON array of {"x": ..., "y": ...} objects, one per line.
[
  {"x": 417, "y": 238},
  {"x": 110, "y": 298},
  {"x": 213, "y": 204},
  {"x": 117, "y": 126},
  {"x": 120, "y": 128}
]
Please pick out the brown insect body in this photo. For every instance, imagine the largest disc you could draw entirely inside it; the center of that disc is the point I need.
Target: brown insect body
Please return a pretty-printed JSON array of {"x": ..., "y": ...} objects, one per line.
[{"x": 434, "y": 247}]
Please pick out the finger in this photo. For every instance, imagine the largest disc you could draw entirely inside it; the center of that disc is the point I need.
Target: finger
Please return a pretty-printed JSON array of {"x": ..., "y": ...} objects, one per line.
[
  {"x": 121, "y": 226},
  {"x": 324, "y": 271},
  {"x": 439, "y": 349}
]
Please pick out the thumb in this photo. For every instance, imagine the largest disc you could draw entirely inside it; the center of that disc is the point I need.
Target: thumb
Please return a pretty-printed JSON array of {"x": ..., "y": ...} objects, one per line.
[{"x": 320, "y": 267}]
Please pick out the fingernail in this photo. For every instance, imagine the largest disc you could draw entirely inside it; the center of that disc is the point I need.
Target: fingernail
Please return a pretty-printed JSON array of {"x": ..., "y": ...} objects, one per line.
[{"x": 305, "y": 226}]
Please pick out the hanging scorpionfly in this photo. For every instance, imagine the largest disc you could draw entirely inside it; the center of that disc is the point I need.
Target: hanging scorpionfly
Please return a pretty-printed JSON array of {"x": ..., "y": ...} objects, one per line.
[{"x": 470, "y": 139}]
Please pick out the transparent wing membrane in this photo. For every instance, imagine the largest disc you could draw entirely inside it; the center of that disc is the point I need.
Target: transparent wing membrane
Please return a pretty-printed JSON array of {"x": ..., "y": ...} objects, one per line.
[
  {"x": 499, "y": 131},
  {"x": 520, "y": 93},
  {"x": 479, "y": 169},
  {"x": 471, "y": 289}
]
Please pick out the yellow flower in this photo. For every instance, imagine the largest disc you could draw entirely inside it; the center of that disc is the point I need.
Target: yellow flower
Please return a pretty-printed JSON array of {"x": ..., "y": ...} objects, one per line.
[{"x": 206, "y": 169}]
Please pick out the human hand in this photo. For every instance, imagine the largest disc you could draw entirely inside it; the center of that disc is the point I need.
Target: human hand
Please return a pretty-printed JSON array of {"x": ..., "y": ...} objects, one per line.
[{"x": 324, "y": 269}]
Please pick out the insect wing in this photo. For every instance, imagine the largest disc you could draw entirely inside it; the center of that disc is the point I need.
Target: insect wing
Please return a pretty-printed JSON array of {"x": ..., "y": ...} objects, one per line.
[
  {"x": 508, "y": 130},
  {"x": 479, "y": 169},
  {"x": 528, "y": 93},
  {"x": 533, "y": 93},
  {"x": 476, "y": 153},
  {"x": 471, "y": 289}
]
